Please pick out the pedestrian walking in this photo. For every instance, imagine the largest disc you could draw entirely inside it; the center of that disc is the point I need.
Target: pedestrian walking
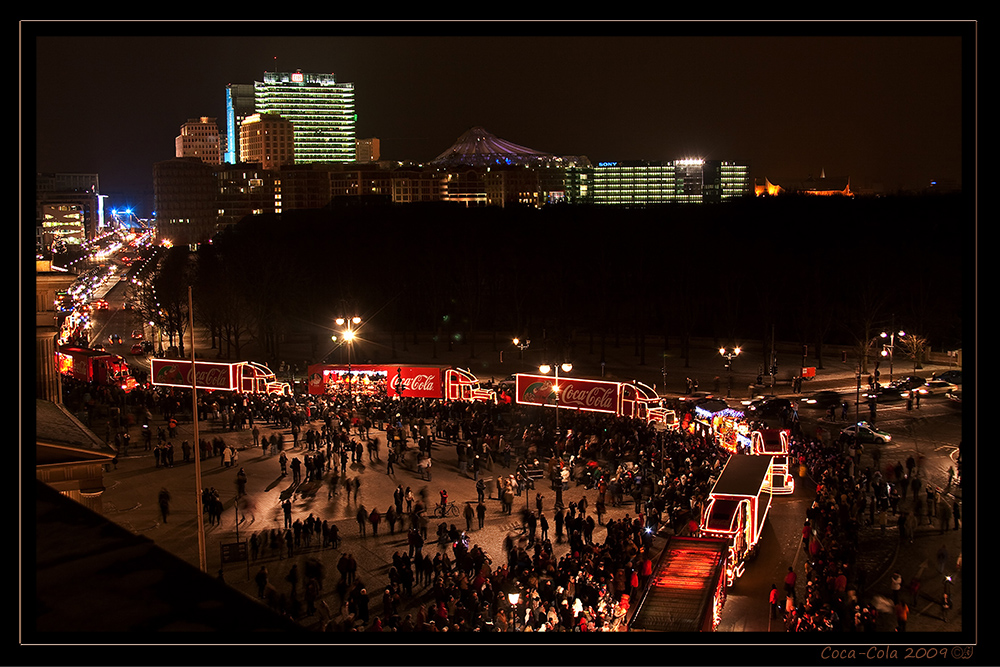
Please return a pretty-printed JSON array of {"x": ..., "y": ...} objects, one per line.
[
  {"x": 895, "y": 583},
  {"x": 241, "y": 483},
  {"x": 470, "y": 514},
  {"x": 164, "y": 500},
  {"x": 362, "y": 519},
  {"x": 944, "y": 515},
  {"x": 775, "y": 601},
  {"x": 790, "y": 580},
  {"x": 902, "y": 615},
  {"x": 262, "y": 581}
]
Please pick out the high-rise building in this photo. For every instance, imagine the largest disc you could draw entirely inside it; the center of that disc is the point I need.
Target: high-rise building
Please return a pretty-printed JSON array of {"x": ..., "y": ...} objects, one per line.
[
  {"x": 239, "y": 105},
  {"x": 633, "y": 182},
  {"x": 320, "y": 109},
  {"x": 644, "y": 182},
  {"x": 199, "y": 138},
  {"x": 267, "y": 140}
]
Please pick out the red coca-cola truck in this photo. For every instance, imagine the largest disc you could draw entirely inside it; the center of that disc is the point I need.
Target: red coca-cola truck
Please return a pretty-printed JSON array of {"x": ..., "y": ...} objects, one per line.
[
  {"x": 246, "y": 377},
  {"x": 623, "y": 399},
  {"x": 97, "y": 366},
  {"x": 737, "y": 508},
  {"x": 453, "y": 384}
]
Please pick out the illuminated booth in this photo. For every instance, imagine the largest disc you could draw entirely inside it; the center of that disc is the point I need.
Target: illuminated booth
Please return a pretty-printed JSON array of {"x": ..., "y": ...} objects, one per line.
[{"x": 716, "y": 420}]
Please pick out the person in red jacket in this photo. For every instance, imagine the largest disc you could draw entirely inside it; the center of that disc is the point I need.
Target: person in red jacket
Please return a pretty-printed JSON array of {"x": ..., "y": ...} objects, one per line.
[
  {"x": 790, "y": 579},
  {"x": 646, "y": 570}
]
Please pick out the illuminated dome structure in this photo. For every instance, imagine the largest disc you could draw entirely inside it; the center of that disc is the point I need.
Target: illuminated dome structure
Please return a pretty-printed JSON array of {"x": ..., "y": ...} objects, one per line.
[{"x": 479, "y": 148}]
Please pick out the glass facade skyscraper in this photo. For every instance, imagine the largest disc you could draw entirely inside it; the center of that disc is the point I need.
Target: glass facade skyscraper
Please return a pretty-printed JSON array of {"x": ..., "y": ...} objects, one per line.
[{"x": 320, "y": 109}]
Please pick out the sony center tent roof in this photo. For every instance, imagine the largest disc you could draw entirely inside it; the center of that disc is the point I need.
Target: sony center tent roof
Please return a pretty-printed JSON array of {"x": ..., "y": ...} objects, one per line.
[{"x": 479, "y": 148}]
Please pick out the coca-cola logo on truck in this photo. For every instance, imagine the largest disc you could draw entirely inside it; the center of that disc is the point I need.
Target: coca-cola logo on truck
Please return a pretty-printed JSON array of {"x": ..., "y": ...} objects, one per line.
[
  {"x": 209, "y": 375},
  {"x": 415, "y": 382},
  {"x": 589, "y": 397},
  {"x": 573, "y": 393}
]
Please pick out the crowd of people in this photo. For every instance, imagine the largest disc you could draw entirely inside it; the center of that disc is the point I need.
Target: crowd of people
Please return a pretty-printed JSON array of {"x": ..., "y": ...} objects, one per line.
[{"x": 663, "y": 477}]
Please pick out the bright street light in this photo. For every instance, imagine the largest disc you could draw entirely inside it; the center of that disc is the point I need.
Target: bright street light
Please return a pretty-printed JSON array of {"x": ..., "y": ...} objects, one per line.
[{"x": 546, "y": 368}]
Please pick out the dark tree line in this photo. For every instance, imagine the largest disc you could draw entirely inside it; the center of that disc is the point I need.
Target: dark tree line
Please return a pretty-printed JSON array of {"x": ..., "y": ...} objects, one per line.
[{"x": 821, "y": 271}]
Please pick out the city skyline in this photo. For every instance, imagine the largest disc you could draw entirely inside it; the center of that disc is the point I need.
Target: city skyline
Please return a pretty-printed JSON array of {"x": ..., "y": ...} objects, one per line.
[{"x": 882, "y": 104}]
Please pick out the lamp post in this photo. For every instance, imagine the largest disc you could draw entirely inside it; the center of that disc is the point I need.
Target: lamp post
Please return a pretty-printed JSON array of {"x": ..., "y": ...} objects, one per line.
[
  {"x": 513, "y": 598},
  {"x": 887, "y": 350},
  {"x": 521, "y": 345},
  {"x": 729, "y": 355},
  {"x": 348, "y": 337},
  {"x": 546, "y": 368}
]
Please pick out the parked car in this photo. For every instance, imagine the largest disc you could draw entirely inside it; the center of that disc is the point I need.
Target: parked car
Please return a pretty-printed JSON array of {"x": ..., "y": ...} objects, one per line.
[{"x": 865, "y": 433}]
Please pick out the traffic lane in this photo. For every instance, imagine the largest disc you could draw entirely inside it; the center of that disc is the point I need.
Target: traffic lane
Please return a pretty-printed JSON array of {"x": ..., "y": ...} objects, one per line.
[{"x": 747, "y": 607}]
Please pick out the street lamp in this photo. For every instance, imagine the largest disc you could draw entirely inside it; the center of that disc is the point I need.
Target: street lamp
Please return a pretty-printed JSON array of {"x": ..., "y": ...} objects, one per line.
[
  {"x": 729, "y": 355},
  {"x": 348, "y": 336},
  {"x": 887, "y": 350},
  {"x": 514, "y": 598},
  {"x": 521, "y": 345},
  {"x": 546, "y": 368}
]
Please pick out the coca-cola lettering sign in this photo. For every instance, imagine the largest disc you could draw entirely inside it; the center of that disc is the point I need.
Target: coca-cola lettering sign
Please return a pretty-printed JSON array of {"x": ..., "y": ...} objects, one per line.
[
  {"x": 573, "y": 394},
  {"x": 210, "y": 375},
  {"x": 415, "y": 382}
]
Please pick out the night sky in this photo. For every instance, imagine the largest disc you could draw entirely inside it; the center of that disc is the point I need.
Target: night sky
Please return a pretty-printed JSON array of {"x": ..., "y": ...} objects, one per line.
[{"x": 880, "y": 103}]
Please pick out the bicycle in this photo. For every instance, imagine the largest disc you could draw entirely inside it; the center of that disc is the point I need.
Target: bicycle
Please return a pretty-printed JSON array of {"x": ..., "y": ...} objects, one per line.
[{"x": 449, "y": 509}]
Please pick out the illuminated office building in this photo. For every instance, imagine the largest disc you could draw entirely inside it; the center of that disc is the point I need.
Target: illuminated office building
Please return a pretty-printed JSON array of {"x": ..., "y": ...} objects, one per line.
[
  {"x": 267, "y": 140},
  {"x": 647, "y": 182},
  {"x": 320, "y": 109},
  {"x": 199, "y": 138}
]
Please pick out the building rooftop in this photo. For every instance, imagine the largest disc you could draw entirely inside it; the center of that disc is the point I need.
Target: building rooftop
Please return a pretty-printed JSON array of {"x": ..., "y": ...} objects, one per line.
[{"x": 479, "y": 148}]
